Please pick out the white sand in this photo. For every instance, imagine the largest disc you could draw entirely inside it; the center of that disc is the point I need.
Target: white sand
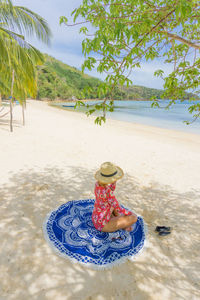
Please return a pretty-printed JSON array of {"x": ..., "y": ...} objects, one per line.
[{"x": 52, "y": 160}]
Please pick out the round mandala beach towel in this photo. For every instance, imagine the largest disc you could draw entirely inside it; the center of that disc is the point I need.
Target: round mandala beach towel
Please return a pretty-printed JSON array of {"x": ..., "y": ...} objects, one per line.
[{"x": 70, "y": 232}]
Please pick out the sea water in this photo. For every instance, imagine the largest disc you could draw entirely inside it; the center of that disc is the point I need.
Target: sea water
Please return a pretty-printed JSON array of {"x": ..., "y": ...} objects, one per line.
[{"x": 142, "y": 112}]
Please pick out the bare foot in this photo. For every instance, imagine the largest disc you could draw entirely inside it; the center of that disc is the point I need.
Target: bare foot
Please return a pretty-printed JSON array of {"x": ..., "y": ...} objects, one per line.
[{"x": 128, "y": 228}]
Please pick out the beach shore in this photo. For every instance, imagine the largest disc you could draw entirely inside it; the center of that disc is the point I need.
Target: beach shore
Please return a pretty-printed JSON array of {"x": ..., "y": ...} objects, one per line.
[{"x": 52, "y": 160}]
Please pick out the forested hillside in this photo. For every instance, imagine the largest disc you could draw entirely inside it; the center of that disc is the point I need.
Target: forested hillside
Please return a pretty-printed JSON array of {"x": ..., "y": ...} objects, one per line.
[{"x": 57, "y": 80}]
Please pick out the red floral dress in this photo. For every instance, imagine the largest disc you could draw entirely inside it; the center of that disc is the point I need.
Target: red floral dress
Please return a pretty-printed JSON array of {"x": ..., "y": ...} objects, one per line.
[{"x": 105, "y": 204}]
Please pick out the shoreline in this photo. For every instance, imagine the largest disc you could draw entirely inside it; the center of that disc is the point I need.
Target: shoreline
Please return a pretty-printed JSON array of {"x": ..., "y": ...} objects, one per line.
[
  {"x": 128, "y": 122},
  {"x": 52, "y": 160}
]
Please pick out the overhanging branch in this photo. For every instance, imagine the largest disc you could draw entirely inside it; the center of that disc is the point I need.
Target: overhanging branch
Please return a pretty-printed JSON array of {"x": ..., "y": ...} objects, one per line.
[{"x": 182, "y": 40}]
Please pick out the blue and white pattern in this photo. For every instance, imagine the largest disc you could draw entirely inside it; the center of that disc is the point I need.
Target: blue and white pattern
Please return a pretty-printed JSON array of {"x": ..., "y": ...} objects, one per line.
[{"x": 69, "y": 230}]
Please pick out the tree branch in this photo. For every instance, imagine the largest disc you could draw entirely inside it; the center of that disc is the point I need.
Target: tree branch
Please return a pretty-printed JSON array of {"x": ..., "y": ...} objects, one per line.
[
  {"x": 70, "y": 25},
  {"x": 180, "y": 39},
  {"x": 154, "y": 27}
]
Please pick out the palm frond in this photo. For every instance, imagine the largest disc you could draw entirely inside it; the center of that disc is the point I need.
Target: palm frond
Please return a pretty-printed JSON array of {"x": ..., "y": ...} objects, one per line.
[
  {"x": 24, "y": 20},
  {"x": 33, "y": 24},
  {"x": 17, "y": 37},
  {"x": 15, "y": 53}
]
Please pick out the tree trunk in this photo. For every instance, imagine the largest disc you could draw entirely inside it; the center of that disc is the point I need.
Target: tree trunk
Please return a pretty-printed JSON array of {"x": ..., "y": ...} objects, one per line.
[
  {"x": 0, "y": 100},
  {"x": 104, "y": 110},
  {"x": 23, "y": 106},
  {"x": 11, "y": 112}
]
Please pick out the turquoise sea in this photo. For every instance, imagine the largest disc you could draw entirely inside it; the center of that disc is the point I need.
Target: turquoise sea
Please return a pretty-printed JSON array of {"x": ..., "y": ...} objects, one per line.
[{"x": 141, "y": 112}]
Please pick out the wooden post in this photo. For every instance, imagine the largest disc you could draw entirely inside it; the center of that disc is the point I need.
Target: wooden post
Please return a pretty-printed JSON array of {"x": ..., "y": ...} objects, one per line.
[
  {"x": 11, "y": 113},
  {"x": 23, "y": 104}
]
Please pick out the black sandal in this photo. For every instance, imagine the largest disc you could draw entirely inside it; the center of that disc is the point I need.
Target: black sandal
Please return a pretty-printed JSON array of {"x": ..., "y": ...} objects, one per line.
[{"x": 162, "y": 229}]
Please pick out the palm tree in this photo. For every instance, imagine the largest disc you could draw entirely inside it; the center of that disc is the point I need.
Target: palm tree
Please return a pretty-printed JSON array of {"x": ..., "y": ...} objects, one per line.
[
  {"x": 18, "y": 59},
  {"x": 22, "y": 20}
]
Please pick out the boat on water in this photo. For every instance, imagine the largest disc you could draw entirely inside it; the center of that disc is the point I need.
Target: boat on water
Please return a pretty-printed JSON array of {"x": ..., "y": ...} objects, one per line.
[
  {"x": 88, "y": 105},
  {"x": 68, "y": 105}
]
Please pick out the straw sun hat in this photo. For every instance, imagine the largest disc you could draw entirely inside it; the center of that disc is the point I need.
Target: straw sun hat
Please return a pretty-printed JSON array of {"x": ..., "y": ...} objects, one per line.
[{"x": 108, "y": 173}]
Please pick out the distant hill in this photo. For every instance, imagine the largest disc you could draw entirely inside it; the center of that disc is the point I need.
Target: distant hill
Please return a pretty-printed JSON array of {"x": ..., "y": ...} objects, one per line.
[{"x": 57, "y": 80}]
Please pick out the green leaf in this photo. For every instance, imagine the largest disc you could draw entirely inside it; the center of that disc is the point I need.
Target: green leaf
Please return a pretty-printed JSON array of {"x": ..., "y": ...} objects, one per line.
[
  {"x": 83, "y": 30},
  {"x": 63, "y": 20}
]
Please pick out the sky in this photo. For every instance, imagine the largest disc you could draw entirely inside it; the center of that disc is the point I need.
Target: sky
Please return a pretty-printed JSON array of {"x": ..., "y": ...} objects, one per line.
[{"x": 66, "y": 43}]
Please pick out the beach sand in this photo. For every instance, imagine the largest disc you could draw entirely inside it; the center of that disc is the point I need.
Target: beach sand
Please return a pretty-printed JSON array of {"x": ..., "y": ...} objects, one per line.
[{"x": 52, "y": 160}]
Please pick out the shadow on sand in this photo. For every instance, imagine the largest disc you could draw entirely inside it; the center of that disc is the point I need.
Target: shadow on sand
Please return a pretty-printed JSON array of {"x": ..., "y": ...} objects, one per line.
[
  {"x": 5, "y": 124},
  {"x": 167, "y": 269}
]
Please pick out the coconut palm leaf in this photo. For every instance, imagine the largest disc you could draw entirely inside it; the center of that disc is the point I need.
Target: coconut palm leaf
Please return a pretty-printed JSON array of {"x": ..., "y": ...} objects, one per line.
[
  {"x": 23, "y": 20},
  {"x": 17, "y": 37},
  {"x": 18, "y": 59},
  {"x": 23, "y": 61}
]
